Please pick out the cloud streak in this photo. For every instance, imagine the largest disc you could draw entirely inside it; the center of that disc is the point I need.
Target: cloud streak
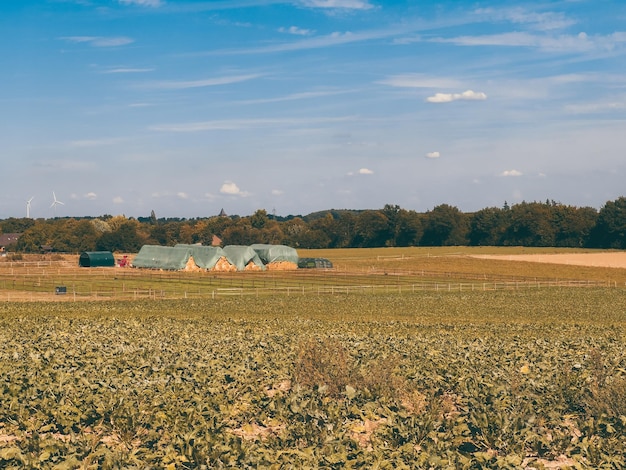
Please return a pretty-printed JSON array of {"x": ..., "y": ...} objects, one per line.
[
  {"x": 418, "y": 80},
  {"x": 186, "y": 84},
  {"x": 239, "y": 124},
  {"x": 143, "y": 3},
  {"x": 468, "y": 95},
  {"x": 100, "y": 41},
  {"x": 338, "y": 4}
]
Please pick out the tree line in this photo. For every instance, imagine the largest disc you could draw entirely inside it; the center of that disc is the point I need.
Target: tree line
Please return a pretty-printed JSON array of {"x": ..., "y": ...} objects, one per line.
[{"x": 532, "y": 224}]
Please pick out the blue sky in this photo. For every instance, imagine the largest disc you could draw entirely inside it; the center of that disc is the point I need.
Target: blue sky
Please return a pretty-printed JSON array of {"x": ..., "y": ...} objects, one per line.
[{"x": 294, "y": 106}]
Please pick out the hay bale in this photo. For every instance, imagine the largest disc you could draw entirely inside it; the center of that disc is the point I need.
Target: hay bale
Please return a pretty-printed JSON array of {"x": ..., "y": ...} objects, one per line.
[
  {"x": 252, "y": 266},
  {"x": 192, "y": 266},
  {"x": 223, "y": 265},
  {"x": 282, "y": 266}
]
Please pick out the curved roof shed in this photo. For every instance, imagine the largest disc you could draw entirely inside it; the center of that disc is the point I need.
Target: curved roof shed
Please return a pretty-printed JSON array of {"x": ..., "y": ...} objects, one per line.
[{"x": 93, "y": 259}]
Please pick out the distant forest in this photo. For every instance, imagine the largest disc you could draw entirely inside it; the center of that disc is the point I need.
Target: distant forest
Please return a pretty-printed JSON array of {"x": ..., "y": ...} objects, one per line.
[{"x": 531, "y": 224}]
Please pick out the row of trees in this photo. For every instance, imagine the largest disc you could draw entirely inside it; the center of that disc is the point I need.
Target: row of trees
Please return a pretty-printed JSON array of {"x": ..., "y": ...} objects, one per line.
[{"x": 524, "y": 224}]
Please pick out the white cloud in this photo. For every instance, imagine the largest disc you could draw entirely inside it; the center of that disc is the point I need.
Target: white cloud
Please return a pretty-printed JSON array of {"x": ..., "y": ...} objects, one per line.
[
  {"x": 511, "y": 173},
  {"x": 433, "y": 155},
  {"x": 118, "y": 200},
  {"x": 418, "y": 80},
  {"x": 294, "y": 96},
  {"x": 98, "y": 41},
  {"x": 342, "y": 4},
  {"x": 238, "y": 124},
  {"x": 600, "y": 107},
  {"x": 297, "y": 31},
  {"x": 581, "y": 42},
  {"x": 468, "y": 95},
  {"x": 127, "y": 70},
  {"x": 365, "y": 171},
  {"x": 542, "y": 21},
  {"x": 87, "y": 143},
  {"x": 182, "y": 195},
  {"x": 146, "y": 3},
  {"x": 181, "y": 85},
  {"x": 231, "y": 189},
  {"x": 91, "y": 196},
  {"x": 277, "y": 192}
]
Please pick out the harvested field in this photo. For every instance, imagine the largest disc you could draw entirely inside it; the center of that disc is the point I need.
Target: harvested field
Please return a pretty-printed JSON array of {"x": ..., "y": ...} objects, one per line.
[{"x": 616, "y": 259}]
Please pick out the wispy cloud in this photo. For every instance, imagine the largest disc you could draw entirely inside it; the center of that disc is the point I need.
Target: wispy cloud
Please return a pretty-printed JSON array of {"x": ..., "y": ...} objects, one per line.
[
  {"x": 295, "y": 96},
  {"x": 418, "y": 80},
  {"x": 433, "y": 155},
  {"x": 334, "y": 39},
  {"x": 184, "y": 84},
  {"x": 143, "y": 3},
  {"x": 599, "y": 107},
  {"x": 581, "y": 42},
  {"x": 297, "y": 31},
  {"x": 365, "y": 171},
  {"x": 542, "y": 21},
  {"x": 127, "y": 70},
  {"x": 231, "y": 189},
  {"x": 100, "y": 41},
  {"x": 468, "y": 95},
  {"x": 239, "y": 124},
  {"x": 118, "y": 200},
  {"x": 511, "y": 173},
  {"x": 87, "y": 143},
  {"x": 340, "y": 4}
]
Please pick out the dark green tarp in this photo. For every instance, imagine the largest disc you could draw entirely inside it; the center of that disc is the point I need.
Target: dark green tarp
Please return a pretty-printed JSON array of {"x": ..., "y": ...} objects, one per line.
[
  {"x": 93, "y": 259},
  {"x": 314, "y": 263}
]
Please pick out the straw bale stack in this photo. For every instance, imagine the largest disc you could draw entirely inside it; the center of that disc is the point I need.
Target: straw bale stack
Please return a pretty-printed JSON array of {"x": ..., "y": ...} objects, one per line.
[
  {"x": 223, "y": 265},
  {"x": 281, "y": 266}
]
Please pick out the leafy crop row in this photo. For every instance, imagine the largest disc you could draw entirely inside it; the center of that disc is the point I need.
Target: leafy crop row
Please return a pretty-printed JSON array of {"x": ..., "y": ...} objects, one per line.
[{"x": 446, "y": 380}]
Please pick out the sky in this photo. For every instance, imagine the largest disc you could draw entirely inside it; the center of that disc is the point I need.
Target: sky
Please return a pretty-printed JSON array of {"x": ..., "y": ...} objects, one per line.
[{"x": 186, "y": 107}]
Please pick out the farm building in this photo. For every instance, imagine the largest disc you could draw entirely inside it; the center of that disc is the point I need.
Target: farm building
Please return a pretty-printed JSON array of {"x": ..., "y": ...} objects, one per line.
[
  {"x": 95, "y": 259},
  {"x": 277, "y": 256},
  {"x": 314, "y": 263}
]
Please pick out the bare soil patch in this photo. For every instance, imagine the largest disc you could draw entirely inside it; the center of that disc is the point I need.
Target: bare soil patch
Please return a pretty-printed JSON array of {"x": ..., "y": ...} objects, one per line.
[{"x": 614, "y": 259}]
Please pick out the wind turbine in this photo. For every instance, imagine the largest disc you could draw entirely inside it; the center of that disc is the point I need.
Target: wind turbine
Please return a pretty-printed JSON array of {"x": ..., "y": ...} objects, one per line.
[
  {"x": 28, "y": 207},
  {"x": 55, "y": 203}
]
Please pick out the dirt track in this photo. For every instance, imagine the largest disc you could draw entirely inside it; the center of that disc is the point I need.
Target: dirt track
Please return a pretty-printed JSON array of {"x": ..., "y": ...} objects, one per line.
[{"x": 616, "y": 259}]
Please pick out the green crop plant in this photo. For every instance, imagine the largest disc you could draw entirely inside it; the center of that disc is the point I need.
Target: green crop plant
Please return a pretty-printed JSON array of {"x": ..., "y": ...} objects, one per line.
[{"x": 485, "y": 379}]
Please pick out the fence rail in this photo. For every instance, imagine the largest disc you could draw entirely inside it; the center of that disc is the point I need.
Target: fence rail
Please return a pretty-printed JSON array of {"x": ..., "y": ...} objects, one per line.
[{"x": 226, "y": 292}]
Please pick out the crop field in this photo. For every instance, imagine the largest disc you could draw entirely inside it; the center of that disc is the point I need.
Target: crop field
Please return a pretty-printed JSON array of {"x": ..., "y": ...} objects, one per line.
[{"x": 405, "y": 378}]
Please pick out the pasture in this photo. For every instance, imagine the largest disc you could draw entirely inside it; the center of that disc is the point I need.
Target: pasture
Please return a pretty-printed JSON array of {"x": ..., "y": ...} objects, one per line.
[{"x": 295, "y": 375}]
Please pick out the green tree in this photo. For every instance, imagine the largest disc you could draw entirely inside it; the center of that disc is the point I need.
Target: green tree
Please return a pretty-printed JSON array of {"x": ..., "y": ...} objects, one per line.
[
  {"x": 259, "y": 219},
  {"x": 371, "y": 229},
  {"x": 126, "y": 238},
  {"x": 573, "y": 225},
  {"x": 15, "y": 225},
  {"x": 487, "y": 226},
  {"x": 407, "y": 230},
  {"x": 530, "y": 224},
  {"x": 445, "y": 225},
  {"x": 610, "y": 228}
]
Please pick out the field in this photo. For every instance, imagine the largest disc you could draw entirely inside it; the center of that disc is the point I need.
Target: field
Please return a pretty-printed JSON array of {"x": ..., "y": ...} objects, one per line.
[{"x": 389, "y": 376}]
